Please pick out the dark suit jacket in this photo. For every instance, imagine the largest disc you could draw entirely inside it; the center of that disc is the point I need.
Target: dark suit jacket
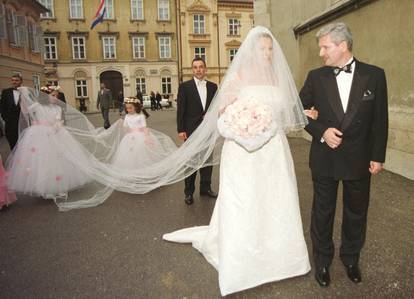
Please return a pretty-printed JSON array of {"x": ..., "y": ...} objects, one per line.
[
  {"x": 364, "y": 125},
  {"x": 190, "y": 112},
  {"x": 105, "y": 100},
  {"x": 61, "y": 97},
  {"x": 10, "y": 112}
]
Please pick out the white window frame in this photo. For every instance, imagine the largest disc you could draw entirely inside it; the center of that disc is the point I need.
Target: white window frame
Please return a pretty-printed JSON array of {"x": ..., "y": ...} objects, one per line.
[
  {"x": 77, "y": 46},
  {"x": 166, "y": 84},
  {"x": 234, "y": 26},
  {"x": 232, "y": 53},
  {"x": 163, "y": 10},
  {"x": 199, "y": 24},
  {"x": 138, "y": 47},
  {"x": 76, "y": 6},
  {"x": 141, "y": 83},
  {"x": 109, "y": 14},
  {"x": 49, "y": 5},
  {"x": 164, "y": 47},
  {"x": 200, "y": 52},
  {"x": 53, "y": 54},
  {"x": 137, "y": 9},
  {"x": 83, "y": 85},
  {"x": 109, "y": 46}
]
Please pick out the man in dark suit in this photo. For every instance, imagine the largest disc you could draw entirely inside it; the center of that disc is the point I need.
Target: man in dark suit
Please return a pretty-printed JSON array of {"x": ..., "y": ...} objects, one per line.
[
  {"x": 349, "y": 144},
  {"x": 103, "y": 103},
  {"x": 10, "y": 110},
  {"x": 194, "y": 98}
]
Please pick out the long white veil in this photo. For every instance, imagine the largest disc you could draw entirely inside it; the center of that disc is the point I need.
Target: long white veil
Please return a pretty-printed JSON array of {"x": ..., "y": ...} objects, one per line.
[{"x": 249, "y": 67}]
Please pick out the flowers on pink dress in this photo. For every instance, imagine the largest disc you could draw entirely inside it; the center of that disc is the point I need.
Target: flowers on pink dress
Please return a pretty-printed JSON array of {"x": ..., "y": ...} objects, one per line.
[{"x": 6, "y": 197}]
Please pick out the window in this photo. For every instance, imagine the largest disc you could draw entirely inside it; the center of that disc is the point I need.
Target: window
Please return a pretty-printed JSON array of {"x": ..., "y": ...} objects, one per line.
[
  {"x": 138, "y": 44},
  {"x": 50, "y": 48},
  {"x": 232, "y": 53},
  {"x": 200, "y": 52},
  {"x": 109, "y": 47},
  {"x": 36, "y": 82},
  {"x": 3, "y": 30},
  {"x": 12, "y": 32},
  {"x": 81, "y": 88},
  {"x": 165, "y": 47},
  {"x": 78, "y": 47},
  {"x": 109, "y": 14},
  {"x": 137, "y": 9},
  {"x": 140, "y": 83},
  {"x": 199, "y": 24},
  {"x": 36, "y": 39},
  {"x": 163, "y": 10},
  {"x": 76, "y": 9},
  {"x": 49, "y": 5},
  {"x": 53, "y": 82},
  {"x": 22, "y": 31},
  {"x": 234, "y": 25},
  {"x": 166, "y": 85}
]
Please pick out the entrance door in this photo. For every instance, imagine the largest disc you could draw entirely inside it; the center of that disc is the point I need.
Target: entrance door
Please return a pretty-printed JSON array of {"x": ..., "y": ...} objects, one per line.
[{"x": 113, "y": 81}]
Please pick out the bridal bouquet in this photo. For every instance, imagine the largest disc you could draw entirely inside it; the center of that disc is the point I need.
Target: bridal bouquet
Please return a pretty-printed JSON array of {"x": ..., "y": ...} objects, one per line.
[{"x": 249, "y": 122}]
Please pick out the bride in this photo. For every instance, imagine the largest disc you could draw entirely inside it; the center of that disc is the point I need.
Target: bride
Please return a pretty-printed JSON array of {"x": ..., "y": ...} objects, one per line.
[{"x": 255, "y": 234}]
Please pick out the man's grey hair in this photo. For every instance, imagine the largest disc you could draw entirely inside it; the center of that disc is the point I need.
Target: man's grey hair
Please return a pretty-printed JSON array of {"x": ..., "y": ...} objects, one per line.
[{"x": 339, "y": 32}]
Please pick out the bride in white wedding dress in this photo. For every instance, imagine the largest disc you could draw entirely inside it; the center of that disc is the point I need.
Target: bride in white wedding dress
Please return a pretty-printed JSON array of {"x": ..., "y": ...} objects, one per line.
[{"x": 255, "y": 235}]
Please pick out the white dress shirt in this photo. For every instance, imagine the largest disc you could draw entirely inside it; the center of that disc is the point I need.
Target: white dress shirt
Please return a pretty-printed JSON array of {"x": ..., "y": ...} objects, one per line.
[
  {"x": 16, "y": 95},
  {"x": 344, "y": 81},
  {"x": 202, "y": 91}
]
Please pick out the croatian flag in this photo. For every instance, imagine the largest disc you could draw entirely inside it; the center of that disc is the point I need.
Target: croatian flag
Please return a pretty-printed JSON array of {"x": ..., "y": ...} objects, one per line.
[{"x": 99, "y": 14}]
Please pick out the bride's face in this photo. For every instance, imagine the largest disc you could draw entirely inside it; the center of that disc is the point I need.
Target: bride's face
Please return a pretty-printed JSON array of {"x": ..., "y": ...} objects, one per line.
[{"x": 264, "y": 49}]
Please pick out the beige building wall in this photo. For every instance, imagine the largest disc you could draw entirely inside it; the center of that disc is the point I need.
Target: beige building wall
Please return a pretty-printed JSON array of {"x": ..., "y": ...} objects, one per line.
[
  {"x": 20, "y": 57},
  {"x": 65, "y": 69},
  {"x": 216, "y": 38},
  {"x": 383, "y": 36}
]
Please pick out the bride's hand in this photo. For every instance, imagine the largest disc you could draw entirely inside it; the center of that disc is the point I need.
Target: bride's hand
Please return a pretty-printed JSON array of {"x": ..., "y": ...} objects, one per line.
[{"x": 312, "y": 113}]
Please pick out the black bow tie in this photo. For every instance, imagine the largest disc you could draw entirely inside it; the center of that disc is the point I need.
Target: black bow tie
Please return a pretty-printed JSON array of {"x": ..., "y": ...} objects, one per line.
[{"x": 347, "y": 68}]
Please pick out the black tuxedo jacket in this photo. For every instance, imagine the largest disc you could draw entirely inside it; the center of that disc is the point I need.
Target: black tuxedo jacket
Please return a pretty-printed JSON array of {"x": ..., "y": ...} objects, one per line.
[
  {"x": 190, "y": 112},
  {"x": 364, "y": 125},
  {"x": 10, "y": 112}
]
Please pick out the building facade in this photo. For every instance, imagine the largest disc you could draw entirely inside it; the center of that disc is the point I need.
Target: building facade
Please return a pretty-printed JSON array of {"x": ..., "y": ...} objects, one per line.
[
  {"x": 134, "y": 46},
  {"x": 213, "y": 30},
  {"x": 20, "y": 42},
  {"x": 387, "y": 42}
]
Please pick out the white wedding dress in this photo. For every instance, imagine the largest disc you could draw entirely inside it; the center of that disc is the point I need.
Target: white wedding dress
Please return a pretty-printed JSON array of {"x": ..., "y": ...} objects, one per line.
[{"x": 255, "y": 234}]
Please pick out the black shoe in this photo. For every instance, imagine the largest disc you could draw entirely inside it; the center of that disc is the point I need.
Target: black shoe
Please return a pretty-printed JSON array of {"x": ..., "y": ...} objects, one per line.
[
  {"x": 353, "y": 272},
  {"x": 209, "y": 193},
  {"x": 322, "y": 277},
  {"x": 189, "y": 200}
]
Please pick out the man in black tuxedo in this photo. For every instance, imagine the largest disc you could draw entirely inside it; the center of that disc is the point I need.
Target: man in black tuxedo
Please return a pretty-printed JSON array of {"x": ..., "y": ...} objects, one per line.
[
  {"x": 10, "y": 110},
  {"x": 348, "y": 145},
  {"x": 194, "y": 98}
]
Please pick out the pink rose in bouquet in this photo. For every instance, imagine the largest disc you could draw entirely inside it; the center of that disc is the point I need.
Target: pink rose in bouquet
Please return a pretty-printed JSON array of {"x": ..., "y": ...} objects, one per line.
[{"x": 248, "y": 122}]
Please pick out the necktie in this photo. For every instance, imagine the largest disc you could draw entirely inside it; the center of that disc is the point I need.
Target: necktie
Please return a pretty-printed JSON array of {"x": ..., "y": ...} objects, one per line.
[{"x": 347, "y": 68}]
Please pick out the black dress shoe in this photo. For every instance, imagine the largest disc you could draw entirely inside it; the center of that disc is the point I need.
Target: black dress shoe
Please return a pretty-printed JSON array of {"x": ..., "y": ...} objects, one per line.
[
  {"x": 322, "y": 276},
  {"x": 189, "y": 200},
  {"x": 209, "y": 193},
  {"x": 353, "y": 272}
]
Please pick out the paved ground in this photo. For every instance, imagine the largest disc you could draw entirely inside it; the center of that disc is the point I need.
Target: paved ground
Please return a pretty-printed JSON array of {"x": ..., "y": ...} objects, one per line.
[{"x": 115, "y": 250}]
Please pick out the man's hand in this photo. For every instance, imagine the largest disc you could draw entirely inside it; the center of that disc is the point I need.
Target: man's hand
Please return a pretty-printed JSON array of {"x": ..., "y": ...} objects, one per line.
[
  {"x": 332, "y": 137},
  {"x": 312, "y": 113},
  {"x": 375, "y": 167},
  {"x": 182, "y": 136}
]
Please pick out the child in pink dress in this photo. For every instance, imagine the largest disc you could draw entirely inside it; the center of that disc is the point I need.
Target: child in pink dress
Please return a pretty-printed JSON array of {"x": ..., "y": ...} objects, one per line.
[{"x": 6, "y": 197}]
